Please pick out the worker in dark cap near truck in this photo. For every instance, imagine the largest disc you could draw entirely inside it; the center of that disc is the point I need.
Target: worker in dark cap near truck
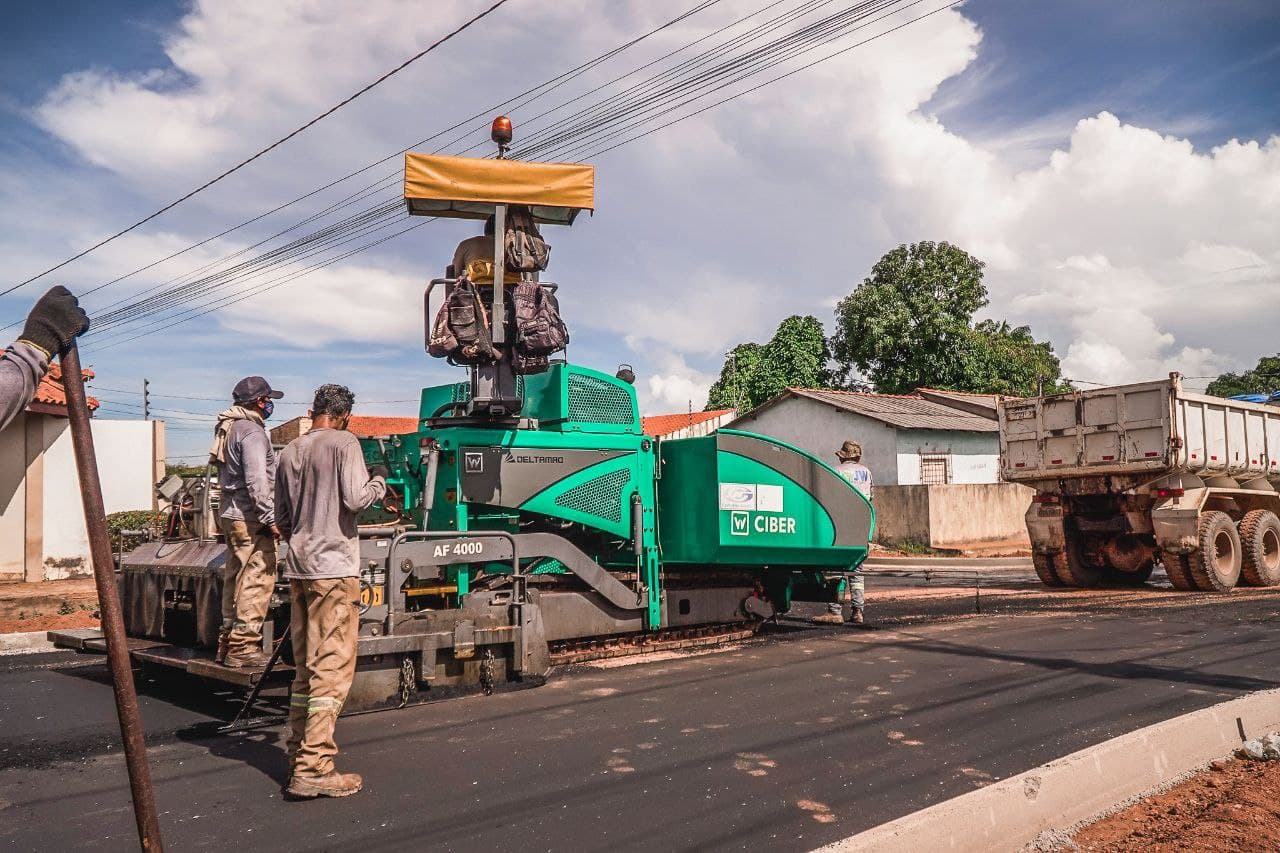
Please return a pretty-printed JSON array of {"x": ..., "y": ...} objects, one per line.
[
  {"x": 54, "y": 322},
  {"x": 851, "y": 586},
  {"x": 247, "y": 469}
]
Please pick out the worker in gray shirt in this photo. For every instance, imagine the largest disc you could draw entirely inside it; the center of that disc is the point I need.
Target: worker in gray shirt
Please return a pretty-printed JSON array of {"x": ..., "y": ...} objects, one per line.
[
  {"x": 322, "y": 485},
  {"x": 247, "y": 468},
  {"x": 55, "y": 321}
]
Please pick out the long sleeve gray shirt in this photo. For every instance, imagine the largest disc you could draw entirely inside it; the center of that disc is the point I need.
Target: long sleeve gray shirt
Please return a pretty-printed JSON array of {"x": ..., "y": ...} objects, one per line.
[
  {"x": 248, "y": 476},
  {"x": 21, "y": 369},
  {"x": 322, "y": 485}
]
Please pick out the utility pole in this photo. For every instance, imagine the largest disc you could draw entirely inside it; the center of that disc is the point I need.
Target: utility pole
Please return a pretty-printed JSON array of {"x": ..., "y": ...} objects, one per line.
[{"x": 146, "y": 399}]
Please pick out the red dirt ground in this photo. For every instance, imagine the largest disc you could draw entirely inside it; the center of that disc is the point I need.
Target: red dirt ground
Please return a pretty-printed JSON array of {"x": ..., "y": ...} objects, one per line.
[
  {"x": 48, "y": 605},
  {"x": 1235, "y": 805}
]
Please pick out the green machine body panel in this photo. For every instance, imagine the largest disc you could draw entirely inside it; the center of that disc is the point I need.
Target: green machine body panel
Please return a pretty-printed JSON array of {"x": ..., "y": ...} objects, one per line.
[
  {"x": 739, "y": 499},
  {"x": 577, "y": 464}
]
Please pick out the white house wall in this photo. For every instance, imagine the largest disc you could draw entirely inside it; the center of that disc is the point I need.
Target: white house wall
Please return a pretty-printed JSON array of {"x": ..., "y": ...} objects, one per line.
[
  {"x": 974, "y": 455},
  {"x": 13, "y": 498},
  {"x": 820, "y": 429},
  {"x": 42, "y": 530}
]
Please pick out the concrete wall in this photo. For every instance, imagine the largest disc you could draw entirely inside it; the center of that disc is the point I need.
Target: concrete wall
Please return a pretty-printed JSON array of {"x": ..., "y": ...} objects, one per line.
[
  {"x": 13, "y": 499},
  {"x": 975, "y": 456},
  {"x": 42, "y": 532},
  {"x": 820, "y": 429},
  {"x": 954, "y": 515}
]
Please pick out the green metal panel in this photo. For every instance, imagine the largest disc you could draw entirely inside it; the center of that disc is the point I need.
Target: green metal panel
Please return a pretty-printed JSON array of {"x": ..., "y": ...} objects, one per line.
[{"x": 738, "y": 499}]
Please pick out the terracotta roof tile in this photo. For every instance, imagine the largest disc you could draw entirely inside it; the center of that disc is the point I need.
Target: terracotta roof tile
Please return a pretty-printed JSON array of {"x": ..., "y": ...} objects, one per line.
[
  {"x": 50, "y": 391},
  {"x": 370, "y": 426},
  {"x": 899, "y": 410},
  {"x": 660, "y": 425}
]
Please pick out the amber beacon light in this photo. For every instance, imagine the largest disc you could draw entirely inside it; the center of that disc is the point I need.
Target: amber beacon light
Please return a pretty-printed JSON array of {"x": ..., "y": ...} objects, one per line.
[{"x": 500, "y": 132}]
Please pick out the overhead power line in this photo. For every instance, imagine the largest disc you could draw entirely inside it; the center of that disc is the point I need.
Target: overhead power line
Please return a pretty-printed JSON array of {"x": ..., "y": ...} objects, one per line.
[
  {"x": 595, "y": 128},
  {"x": 269, "y": 148}
]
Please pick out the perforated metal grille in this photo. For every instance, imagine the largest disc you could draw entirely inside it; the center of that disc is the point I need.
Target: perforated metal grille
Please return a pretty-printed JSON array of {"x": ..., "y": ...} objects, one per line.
[
  {"x": 595, "y": 401},
  {"x": 601, "y": 497},
  {"x": 461, "y": 392}
]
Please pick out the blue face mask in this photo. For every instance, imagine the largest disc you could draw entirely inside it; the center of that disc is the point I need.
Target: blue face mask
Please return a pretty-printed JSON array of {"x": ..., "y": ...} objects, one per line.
[{"x": 267, "y": 408}]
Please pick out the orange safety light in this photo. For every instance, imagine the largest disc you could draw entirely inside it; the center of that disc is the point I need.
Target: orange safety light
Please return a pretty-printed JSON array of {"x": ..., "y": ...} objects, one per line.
[{"x": 500, "y": 131}]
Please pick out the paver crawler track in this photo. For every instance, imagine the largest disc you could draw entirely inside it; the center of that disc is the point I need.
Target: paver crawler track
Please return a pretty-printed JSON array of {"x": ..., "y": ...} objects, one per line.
[{"x": 672, "y": 639}]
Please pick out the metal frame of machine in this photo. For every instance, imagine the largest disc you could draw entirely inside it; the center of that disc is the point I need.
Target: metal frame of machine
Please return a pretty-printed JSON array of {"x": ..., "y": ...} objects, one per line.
[{"x": 532, "y": 512}]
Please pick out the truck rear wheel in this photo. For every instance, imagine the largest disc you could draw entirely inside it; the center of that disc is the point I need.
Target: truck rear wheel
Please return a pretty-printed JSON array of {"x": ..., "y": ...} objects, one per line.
[
  {"x": 1176, "y": 567},
  {"x": 1216, "y": 562},
  {"x": 1260, "y": 543},
  {"x": 1074, "y": 571},
  {"x": 1044, "y": 566}
]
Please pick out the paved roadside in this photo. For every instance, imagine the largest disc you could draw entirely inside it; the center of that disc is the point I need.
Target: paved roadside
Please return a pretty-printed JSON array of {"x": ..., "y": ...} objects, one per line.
[{"x": 790, "y": 743}]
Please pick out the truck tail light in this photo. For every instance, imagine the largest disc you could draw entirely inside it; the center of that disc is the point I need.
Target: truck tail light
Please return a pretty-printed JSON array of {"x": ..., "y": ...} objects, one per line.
[
  {"x": 1150, "y": 454},
  {"x": 1169, "y": 493},
  {"x": 1046, "y": 499},
  {"x": 1108, "y": 459}
]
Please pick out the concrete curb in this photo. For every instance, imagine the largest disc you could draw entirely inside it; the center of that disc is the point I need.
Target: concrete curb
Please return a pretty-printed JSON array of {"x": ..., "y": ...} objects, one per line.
[
  {"x": 25, "y": 642},
  {"x": 1009, "y": 814},
  {"x": 949, "y": 562}
]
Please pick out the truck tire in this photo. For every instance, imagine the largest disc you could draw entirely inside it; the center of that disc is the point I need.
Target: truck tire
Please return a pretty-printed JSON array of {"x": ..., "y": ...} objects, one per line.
[
  {"x": 1044, "y": 566},
  {"x": 1073, "y": 570},
  {"x": 1176, "y": 567},
  {"x": 1260, "y": 543},
  {"x": 1216, "y": 562}
]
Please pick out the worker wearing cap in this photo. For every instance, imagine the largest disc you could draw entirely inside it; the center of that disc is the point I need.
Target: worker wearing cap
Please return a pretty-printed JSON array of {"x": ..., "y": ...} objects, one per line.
[
  {"x": 321, "y": 487},
  {"x": 247, "y": 466},
  {"x": 859, "y": 476},
  {"x": 55, "y": 321}
]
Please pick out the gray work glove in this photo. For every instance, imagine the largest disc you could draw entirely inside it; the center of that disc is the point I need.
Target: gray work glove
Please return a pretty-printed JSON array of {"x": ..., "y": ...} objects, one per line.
[
  {"x": 379, "y": 471},
  {"x": 55, "y": 321}
]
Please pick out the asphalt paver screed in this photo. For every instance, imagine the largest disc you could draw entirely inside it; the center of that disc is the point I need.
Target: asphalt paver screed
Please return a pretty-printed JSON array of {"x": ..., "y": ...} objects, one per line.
[{"x": 1234, "y": 805}]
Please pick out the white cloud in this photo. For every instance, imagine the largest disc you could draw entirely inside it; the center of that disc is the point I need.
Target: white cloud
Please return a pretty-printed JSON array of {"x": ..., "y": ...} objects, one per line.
[
  {"x": 676, "y": 387},
  {"x": 1133, "y": 251}
]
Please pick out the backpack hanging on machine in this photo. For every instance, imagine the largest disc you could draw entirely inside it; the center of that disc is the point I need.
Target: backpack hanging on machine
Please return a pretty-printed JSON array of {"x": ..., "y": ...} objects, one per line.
[
  {"x": 540, "y": 331},
  {"x": 525, "y": 249},
  {"x": 460, "y": 332}
]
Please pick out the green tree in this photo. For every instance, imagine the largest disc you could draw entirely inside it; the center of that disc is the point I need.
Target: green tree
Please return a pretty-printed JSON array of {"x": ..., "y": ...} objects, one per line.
[
  {"x": 1003, "y": 359},
  {"x": 796, "y": 356},
  {"x": 1263, "y": 379},
  {"x": 910, "y": 325}
]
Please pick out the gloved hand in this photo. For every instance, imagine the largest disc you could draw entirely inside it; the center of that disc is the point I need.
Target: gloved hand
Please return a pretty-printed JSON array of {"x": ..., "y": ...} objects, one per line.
[
  {"x": 379, "y": 471},
  {"x": 55, "y": 321}
]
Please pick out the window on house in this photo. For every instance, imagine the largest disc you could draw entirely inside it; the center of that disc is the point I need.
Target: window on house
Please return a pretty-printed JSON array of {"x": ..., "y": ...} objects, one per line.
[{"x": 935, "y": 469}]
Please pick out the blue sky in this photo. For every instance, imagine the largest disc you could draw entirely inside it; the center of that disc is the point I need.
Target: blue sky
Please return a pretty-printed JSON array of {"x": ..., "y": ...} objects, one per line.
[{"x": 1074, "y": 146}]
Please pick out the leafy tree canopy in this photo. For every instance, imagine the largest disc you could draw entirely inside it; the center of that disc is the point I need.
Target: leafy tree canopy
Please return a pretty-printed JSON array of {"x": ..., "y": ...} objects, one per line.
[
  {"x": 910, "y": 325},
  {"x": 1263, "y": 379},
  {"x": 796, "y": 356}
]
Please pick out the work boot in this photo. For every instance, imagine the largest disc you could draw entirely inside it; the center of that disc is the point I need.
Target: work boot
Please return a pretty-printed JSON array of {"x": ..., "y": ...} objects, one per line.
[
  {"x": 252, "y": 659},
  {"x": 828, "y": 619},
  {"x": 224, "y": 644},
  {"x": 856, "y": 617},
  {"x": 332, "y": 784}
]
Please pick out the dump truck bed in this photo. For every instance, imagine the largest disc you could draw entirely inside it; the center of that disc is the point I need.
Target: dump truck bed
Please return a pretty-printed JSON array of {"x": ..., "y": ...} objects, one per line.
[{"x": 1148, "y": 428}]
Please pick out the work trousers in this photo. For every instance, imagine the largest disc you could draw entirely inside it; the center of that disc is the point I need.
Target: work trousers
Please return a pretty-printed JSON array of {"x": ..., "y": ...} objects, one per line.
[
  {"x": 248, "y": 578},
  {"x": 851, "y": 586},
  {"x": 326, "y": 620}
]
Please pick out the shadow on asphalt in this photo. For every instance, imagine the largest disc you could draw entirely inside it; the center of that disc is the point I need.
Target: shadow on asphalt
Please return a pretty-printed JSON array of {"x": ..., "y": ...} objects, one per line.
[{"x": 1129, "y": 670}]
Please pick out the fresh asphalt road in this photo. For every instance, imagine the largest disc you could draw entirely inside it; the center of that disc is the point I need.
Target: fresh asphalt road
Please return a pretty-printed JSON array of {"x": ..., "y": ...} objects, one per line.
[{"x": 788, "y": 742}]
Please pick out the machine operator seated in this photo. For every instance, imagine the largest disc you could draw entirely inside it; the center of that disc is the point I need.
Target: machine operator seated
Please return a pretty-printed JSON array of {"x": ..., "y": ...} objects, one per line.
[{"x": 474, "y": 257}]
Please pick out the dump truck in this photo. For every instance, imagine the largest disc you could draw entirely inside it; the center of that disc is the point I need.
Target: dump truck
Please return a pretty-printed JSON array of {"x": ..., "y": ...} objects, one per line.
[{"x": 1131, "y": 475}]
